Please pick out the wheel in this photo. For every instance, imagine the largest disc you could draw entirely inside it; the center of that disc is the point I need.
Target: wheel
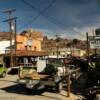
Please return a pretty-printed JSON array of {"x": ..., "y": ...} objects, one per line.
[
  {"x": 29, "y": 91},
  {"x": 59, "y": 87},
  {"x": 3, "y": 74},
  {"x": 35, "y": 91}
]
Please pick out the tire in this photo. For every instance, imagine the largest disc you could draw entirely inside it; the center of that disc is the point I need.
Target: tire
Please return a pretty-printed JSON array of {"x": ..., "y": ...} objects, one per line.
[
  {"x": 59, "y": 87},
  {"x": 29, "y": 91},
  {"x": 4, "y": 74}
]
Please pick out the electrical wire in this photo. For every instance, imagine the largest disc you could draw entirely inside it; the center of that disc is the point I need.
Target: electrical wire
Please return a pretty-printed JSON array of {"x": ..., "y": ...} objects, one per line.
[
  {"x": 42, "y": 13},
  {"x": 79, "y": 33}
]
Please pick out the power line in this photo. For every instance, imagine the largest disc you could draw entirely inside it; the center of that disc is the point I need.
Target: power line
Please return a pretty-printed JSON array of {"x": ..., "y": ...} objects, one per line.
[
  {"x": 79, "y": 33},
  {"x": 49, "y": 18},
  {"x": 37, "y": 16}
]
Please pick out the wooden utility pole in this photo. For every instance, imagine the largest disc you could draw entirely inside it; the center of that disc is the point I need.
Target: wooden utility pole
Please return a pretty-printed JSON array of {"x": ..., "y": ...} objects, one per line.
[
  {"x": 68, "y": 87},
  {"x": 10, "y": 21},
  {"x": 15, "y": 40},
  {"x": 57, "y": 46},
  {"x": 88, "y": 48}
]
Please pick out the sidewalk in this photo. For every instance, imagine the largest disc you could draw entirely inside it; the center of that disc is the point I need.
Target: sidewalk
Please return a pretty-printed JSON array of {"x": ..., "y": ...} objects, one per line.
[{"x": 62, "y": 96}]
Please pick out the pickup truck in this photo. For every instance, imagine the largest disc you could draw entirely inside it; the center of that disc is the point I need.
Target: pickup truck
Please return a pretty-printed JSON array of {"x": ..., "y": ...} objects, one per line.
[{"x": 46, "y": 79}]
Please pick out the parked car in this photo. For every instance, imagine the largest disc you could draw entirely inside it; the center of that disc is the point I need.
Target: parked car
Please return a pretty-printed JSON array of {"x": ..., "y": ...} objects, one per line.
[
  {"x": 13, "y": 70},
  {"x": 3, "y": 70}
]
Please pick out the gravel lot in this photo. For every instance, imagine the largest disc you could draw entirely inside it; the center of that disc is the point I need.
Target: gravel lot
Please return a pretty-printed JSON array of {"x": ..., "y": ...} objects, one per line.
[{"x": 10, "y": 90}]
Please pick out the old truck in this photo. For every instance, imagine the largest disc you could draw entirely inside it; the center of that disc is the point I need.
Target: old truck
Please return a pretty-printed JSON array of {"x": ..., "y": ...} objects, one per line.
[{"x": 46, "y": 74}]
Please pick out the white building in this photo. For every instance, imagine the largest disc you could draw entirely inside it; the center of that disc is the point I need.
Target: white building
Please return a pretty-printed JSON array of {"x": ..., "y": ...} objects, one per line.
[
  {"x": 3, "y": 45},
  {"x": 64, "y": 52}
]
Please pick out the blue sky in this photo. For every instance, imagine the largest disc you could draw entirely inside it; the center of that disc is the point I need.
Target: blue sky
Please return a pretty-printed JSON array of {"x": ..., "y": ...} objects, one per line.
[{"x": 70, "y": 18}]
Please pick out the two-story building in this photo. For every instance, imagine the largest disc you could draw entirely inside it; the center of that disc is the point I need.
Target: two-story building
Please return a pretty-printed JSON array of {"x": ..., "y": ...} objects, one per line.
[
  {"x": 27, "y": 47},
  {"x": 29, "y": 40}
]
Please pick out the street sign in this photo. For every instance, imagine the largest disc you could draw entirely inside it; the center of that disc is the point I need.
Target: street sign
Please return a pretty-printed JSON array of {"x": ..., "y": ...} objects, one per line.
[{"x": 94, "y": 42}]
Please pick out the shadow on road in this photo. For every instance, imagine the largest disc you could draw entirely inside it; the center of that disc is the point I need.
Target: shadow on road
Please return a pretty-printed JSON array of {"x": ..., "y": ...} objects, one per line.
[{"x": 21, "y": 89}]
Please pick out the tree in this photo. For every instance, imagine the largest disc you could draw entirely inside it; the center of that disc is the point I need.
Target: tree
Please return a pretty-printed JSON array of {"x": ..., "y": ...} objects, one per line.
[
  {"x": 58, "y": 39},
  {"x": 69, "y": 44},
  {"x": 45, "y": 38},
  {"x": 75, "y": 42}
]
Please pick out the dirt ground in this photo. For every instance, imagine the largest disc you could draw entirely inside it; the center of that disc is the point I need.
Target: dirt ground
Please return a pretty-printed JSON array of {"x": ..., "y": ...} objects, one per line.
[{"x": 10, "y": 90}]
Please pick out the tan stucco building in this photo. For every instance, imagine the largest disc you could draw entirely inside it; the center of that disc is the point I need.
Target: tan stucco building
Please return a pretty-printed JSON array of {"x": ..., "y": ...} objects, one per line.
[{"x": 31, "y": 40}]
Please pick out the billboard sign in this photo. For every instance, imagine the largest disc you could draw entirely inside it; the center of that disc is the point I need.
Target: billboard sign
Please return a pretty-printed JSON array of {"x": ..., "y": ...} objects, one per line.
[{"x": 94, "y": 42}]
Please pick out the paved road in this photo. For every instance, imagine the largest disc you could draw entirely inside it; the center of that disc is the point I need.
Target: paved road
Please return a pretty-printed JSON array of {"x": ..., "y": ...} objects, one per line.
[{"x": 10, "y": 90}]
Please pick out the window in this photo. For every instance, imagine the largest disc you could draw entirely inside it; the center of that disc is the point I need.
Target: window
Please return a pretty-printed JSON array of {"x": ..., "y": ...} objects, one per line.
[
  {"x": 25, "y": 47},
  {"x": 30, "y": 48},
  {"x": 35, "y": 48}
]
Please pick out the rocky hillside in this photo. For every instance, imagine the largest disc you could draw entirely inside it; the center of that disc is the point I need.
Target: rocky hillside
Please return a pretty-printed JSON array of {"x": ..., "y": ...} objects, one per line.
[{"x": 62, "y": 43}]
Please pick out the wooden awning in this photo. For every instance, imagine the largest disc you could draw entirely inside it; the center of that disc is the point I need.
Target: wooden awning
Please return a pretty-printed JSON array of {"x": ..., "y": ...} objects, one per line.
[{"x": 27, "y": 53}]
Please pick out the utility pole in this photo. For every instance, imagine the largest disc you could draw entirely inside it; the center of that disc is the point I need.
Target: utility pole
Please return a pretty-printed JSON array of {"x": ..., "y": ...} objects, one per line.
[
  {"x": 57, "y": 51},
  {"x": 68, "y": 85},
  {"x": 15, "y": 40},
  {"x": 88, "y": 48},
  {"x": 10, "y": 20}
]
